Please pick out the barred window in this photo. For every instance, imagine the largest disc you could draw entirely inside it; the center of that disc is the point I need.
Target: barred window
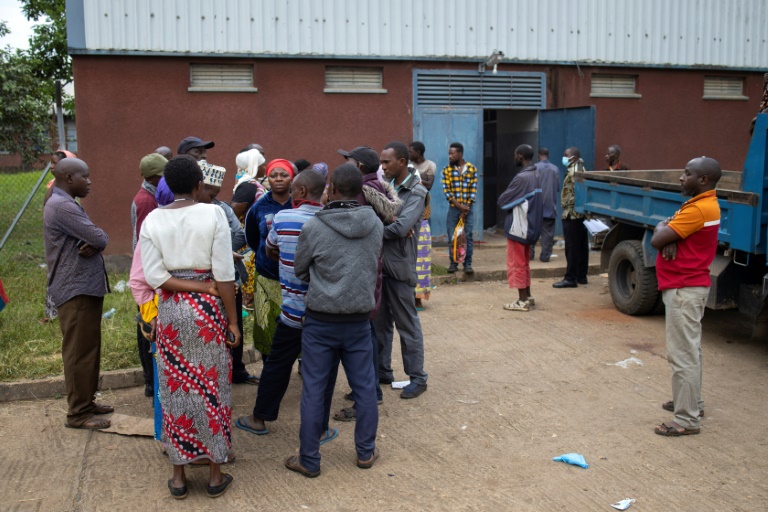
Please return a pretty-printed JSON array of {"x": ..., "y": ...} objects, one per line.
[
  {"x": 724, "y": 88},
  {"x": 614, "y": 86},
  {"x": 354, "y": 80},
  {"x": 221, "y": 77}
]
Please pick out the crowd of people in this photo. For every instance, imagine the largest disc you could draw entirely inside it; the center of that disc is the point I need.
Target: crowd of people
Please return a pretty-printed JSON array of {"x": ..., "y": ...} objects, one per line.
[{"x": 329, "y": 262}]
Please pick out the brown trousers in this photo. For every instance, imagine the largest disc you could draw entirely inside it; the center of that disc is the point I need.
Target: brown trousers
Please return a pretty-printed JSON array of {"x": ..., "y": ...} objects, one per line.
[{"x": 80, "y": 322}]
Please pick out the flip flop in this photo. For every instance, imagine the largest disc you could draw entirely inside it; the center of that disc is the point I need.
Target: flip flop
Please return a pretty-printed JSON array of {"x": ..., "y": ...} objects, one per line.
[
  {"x": 242, "y": 425},
  {"x": 330, "y": 435}
]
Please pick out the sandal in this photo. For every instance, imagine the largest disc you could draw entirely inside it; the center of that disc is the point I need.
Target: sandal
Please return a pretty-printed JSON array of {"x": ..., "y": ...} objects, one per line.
[
  {"x": 670, "y": 406},
  {"x": 92, "y": 424},
  {"x": 330, "y": 435},
  {"x": 674, "y": 429},
  {"x": 346, "y": 414},
  {"x": 518, "y": 305}
]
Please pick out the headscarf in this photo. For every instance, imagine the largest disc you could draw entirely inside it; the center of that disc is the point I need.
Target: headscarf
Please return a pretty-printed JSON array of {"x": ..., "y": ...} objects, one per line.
[
  {"x": 68, "y": 153},
  {"x": 322, "y": 168},
  {"x": 248, "y": 162},
  {"x": 281, "y": 163}
]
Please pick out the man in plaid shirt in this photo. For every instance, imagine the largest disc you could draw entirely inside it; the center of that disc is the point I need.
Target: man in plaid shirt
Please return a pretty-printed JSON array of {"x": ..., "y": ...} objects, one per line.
[{"x": 460, "y": 189}]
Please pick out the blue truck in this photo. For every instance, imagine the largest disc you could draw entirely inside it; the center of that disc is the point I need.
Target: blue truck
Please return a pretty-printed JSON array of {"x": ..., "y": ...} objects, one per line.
[{"x": 636, "y": 201}]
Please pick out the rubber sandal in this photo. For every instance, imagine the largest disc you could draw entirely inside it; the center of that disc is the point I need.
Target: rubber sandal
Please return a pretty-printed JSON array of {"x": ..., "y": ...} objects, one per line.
[
  {"x": 178, "y": 493},
  {"x": 670, "y": 406},
  {"x": 242, "y": 425},
  {"x": 294, "y": 464},
  {"x": 214, "y": 491},
  {"x": 674, "y": 429},
  {"x": 92, "y": 424},
  {"x": 346, "y": 414},
  {"x": 330, "y": 435}
]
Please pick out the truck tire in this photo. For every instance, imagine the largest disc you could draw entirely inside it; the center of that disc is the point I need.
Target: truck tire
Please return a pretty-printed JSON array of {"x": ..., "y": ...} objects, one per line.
[{"x": 633, "y": 286}]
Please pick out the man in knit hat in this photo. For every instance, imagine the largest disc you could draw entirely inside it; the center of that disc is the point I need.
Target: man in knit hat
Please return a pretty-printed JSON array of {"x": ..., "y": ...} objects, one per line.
[{"x": 151, "y": 167}]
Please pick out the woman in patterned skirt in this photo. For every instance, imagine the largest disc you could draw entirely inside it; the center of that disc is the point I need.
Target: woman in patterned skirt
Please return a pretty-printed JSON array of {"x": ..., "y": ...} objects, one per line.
[{"x": 186, "y": 253}]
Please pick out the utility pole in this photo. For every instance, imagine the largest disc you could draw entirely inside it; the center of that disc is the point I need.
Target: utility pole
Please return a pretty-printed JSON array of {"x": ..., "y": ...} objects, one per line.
[{"x": 60, "y": 117}]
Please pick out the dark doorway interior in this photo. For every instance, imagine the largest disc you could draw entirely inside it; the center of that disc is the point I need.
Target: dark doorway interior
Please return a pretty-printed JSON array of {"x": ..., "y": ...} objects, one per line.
[{"x": 503, "y": 131}]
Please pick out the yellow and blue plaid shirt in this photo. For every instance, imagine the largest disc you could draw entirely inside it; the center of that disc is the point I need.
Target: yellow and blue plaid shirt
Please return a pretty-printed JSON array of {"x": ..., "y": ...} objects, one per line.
[{"x": 461, "y": 186}]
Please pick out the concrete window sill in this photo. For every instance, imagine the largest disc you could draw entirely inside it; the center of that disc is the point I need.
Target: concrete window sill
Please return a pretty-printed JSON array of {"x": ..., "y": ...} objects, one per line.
[
  {"x": 222, "y": 89},
  {"x": 726, "y": 98},
  {"x": 603, "y": 95},
  {"x": 354, "y": 91}
]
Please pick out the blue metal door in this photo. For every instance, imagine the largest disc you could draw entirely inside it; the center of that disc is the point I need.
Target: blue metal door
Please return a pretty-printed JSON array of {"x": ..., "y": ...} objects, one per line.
[
  {"x": 562, "y": 128},
  {"x": 437, "y": 129}
]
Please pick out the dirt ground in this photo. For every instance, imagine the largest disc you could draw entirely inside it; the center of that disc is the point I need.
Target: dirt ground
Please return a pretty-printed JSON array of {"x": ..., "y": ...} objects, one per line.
[{"x": 507, "y": 392}]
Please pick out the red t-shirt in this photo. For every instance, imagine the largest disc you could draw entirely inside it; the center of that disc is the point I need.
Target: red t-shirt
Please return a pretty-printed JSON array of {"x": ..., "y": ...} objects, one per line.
[{"x": 697, "y": 222}]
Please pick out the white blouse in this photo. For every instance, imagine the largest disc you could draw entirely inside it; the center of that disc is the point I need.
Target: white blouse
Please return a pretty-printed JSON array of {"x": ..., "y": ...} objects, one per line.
[{"x": 196, "y": 237}]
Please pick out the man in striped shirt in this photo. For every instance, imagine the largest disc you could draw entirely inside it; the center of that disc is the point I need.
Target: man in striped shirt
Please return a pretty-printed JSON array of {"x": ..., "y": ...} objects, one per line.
[
  {"x": 687, "y": 244},
  {"x": 306, "y": 191},
  {"x": 460, "y": 189}
]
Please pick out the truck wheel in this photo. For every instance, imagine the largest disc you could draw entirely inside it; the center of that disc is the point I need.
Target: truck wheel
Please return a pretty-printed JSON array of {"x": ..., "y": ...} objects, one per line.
[{"x": 633, "y": 286}]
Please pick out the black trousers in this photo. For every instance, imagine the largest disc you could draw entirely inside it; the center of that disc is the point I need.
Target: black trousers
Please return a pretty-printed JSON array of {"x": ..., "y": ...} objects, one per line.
[
  {"x": 576, "y": 249},
  {"x": 239, "y": 373},
  {"x": 145, "y": 356}
]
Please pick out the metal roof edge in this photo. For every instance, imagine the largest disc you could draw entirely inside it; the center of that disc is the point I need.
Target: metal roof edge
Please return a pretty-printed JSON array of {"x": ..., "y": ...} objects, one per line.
[{"x": 641, "y": 65}]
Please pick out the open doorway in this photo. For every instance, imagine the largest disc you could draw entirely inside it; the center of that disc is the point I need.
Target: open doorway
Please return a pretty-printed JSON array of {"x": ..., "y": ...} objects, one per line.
[{"x": 503, "y": 131}]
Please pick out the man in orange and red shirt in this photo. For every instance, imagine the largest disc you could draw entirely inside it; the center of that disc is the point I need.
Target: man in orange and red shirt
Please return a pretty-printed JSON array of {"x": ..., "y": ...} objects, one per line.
[{"x": 687, "y": 244}]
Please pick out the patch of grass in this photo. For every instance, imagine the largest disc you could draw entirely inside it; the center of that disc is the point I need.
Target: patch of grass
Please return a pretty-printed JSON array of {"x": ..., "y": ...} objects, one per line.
[
  {"x": 439, "y": 270},
  {"x": 30, "y": 349}
]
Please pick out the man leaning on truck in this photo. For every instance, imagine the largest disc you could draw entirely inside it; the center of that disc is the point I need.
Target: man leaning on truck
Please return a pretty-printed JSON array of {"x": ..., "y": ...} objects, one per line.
[{"x": 687, "y": 244}]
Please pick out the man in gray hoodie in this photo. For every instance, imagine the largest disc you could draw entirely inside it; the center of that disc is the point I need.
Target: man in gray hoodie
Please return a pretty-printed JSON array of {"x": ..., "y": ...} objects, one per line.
[
  {"x": 338, "y": 254},
  {"x": 398, "y": 305}
]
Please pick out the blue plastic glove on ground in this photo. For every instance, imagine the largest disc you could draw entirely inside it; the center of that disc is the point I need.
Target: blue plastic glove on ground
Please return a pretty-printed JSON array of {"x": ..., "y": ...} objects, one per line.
[{"x": 576, "y": 459}]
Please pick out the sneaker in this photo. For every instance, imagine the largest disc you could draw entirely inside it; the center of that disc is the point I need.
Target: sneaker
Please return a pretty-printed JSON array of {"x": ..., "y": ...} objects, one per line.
[
  {"x": 413, "y": 390},
  {"x": 468, "y": 269},
  {"x": 518, "y": 305},
  {"x": 453, "y": 268}
]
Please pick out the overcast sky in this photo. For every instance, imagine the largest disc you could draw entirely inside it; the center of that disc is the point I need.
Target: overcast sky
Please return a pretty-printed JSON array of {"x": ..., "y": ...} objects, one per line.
[{"x": 21, "y": 29}]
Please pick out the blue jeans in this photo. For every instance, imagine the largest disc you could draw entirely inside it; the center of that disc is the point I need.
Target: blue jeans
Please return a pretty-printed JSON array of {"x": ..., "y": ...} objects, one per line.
[
  {"x": 323, "y": 344},
  {"x": 453, "y": 219}
]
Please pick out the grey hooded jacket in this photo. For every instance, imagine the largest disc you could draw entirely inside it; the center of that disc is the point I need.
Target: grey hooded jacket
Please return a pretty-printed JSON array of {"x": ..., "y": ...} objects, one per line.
[
  {"x": 400, "y": 250},
  {"x": 338, "y": 254}
]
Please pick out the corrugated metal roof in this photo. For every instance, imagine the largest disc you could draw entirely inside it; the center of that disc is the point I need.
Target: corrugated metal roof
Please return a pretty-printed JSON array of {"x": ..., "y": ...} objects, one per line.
[{"x": 696, "y": 33}]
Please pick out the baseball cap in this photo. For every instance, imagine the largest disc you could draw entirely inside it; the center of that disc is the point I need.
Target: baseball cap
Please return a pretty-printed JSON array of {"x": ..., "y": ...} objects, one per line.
[
  {"x": 193, "y": 142},
  {"x": 365, "y": 155},
  {"x": 152, "y": 165}
]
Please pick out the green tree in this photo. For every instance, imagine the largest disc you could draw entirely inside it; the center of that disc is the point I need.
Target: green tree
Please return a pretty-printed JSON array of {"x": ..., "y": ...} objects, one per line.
[
  {"x": 25, "y": 109},
  {"x": 48, "y": 44}
]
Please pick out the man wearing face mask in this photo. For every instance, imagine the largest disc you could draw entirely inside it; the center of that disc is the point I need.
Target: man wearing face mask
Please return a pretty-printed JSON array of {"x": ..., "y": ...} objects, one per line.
[
  {"x": 574, "y": 230},
  {"x": 523, "y": 203}
]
